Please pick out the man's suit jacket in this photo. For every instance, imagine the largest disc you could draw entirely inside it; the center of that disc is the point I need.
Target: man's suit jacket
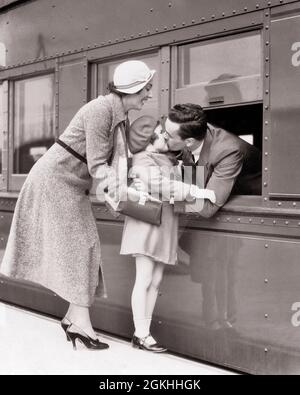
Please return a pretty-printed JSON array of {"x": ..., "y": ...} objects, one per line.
[{"x": 231, "y": 165}]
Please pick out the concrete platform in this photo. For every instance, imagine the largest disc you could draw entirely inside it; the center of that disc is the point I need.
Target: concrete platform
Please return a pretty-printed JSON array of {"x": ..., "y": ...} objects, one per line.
[{"x": 34, "y": 344}]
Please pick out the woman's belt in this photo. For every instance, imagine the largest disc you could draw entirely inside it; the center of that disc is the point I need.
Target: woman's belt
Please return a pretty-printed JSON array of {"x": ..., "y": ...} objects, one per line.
[{"x": 69, "y": 149}]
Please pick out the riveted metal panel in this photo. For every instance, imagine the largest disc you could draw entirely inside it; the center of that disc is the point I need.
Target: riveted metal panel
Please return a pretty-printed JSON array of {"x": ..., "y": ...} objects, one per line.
[
  {"x": 68, "y": 25},
  {"x": 285, "y": 116}
]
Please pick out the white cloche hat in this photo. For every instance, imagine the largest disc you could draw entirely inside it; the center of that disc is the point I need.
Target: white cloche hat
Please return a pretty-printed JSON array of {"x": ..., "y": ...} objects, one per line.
[{"x": 132, "y": 76}]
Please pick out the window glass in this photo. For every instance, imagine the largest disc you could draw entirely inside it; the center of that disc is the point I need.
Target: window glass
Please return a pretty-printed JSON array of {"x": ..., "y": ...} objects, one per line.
[
  {"x": 221, "y": 71},
  {"x": 105, "y": 75},
  {"x": 33, "y": 121}
]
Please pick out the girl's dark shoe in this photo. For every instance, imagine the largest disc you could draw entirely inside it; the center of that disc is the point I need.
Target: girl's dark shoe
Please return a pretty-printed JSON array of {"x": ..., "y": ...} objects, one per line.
[
  {"x": 75, "y": 333},
  {"x": 141, "y": 343},
  {"x": 65, "y": 323}
]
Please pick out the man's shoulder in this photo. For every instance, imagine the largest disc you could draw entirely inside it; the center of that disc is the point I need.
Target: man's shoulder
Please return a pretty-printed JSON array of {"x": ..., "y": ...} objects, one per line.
[{"x": 223, "y": 142}]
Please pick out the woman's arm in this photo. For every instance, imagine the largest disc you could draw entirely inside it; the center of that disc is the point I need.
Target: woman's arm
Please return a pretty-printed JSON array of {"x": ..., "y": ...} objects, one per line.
[{"x": 97, "y": 121}]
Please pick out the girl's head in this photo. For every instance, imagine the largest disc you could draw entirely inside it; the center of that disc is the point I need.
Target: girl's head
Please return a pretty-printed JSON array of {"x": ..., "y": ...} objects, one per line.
[
  {"x": 132, "y": 81},
  {"x": 145, "y": 133}
]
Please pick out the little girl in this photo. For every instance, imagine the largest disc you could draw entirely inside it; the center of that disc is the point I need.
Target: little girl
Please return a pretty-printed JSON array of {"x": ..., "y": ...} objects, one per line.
[{"x": 153, "y": 246}]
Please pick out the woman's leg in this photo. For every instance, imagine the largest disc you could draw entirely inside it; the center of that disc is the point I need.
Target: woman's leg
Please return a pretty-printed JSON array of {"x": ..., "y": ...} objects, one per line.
[
  {"x": 143, "y": 280},
  {"x": 80, "y": 316}
]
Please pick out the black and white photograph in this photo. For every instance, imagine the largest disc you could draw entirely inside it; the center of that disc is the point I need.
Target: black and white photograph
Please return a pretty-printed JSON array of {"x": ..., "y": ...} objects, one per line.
[{"x": 150, "y": 190}]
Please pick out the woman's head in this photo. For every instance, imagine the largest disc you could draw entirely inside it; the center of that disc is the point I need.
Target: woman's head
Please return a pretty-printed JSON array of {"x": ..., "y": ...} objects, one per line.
[{"x": 132, "y": 81}]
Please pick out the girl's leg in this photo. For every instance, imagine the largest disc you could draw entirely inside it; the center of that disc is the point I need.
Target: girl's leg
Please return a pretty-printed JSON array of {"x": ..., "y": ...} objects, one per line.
[
  {"x": 143, "y": 279},
  {"x": 152, "y": 292}
]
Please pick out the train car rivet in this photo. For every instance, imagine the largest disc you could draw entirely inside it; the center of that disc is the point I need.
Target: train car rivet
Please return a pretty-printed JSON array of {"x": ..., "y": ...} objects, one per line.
[
  {"x": 266, "y": 281},
  {"x": 213, "y": 16},
  {"x": 234, "y": 11},
  {"x": 266, "y": 138},
  {"x": 294, "y": 204},
  {"x": 266, "y": 245},
  {"x": 267, "y": 42},
  {"x": 267, "y": 59},
  {"x": 265, "y": 199},
  {"x": 266, "y": 107},
  {"x": 274, "y": 222},
  {"x": 266, "y": 123},
  {"x": 298, "y": 223},
  {"x": 246, "y": 9},
  {"x": 250, "y": 220},
  {"x": 279, "y": 203},
  {"x": 257, "y": 6},
  {"x": 170, "y": 4},
  {"x": 267, "y": 91},
  {"x": 266, "y": 154},
  {"x": 203, "y": 19},
  {"x": 239, "y": 219},
  {"x": 267, "y": 27},
  {"x": 262, "y": 221},
  {"x": 286, "y": 222},
  {"x": 223, "y": 13},
  {"x": 193, "y": 20},
  {"x": 269, "y": 2},
  {"x": 266, "y": 350},
  {"x": 265, "y": 184},
  {"x": 267, "y": 75},
  {"x": 266, "y": 316}
]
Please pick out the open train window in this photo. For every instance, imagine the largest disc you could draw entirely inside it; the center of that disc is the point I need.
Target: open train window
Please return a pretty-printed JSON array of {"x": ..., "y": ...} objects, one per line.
[
  {"x": 224, "y": 76},
  {"x": 105, "y": 72}
]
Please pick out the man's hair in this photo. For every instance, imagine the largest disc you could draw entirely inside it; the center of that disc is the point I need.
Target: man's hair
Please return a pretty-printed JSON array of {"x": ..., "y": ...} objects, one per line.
[{"x": 192, "y": 120}]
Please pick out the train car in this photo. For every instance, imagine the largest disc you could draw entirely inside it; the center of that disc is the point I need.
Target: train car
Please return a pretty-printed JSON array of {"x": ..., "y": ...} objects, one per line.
[{"x": 234, "y": 297}]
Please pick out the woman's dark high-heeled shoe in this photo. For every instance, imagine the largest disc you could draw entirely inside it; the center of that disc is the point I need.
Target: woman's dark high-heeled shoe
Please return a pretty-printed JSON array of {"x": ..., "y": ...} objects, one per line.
[
  {"x": 75, "y": 333},
  {"x": 141, "y": 343},
  {"x": 65, "y": 323}
]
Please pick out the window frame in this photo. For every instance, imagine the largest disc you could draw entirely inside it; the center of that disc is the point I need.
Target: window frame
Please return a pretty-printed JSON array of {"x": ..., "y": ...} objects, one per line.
[
  {"x": 250, "y": 201},
  {"x": 15, "y": 181}
]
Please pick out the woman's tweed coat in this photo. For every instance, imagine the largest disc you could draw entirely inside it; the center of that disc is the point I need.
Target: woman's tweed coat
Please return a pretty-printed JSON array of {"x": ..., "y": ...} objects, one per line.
[{"x": 53, "y": 239}]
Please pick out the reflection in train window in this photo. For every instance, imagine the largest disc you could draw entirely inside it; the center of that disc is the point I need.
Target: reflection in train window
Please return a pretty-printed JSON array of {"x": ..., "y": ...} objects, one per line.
[
  {"x": 33, "y": 121},
  {"x": 221, "y": 71},
  {"x": 105, "y": 75},
  {"x": 1, "y": 125}
]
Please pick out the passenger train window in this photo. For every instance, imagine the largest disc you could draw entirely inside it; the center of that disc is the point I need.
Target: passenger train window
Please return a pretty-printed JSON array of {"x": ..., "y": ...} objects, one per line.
[
  {"x": 33, "y": 121},
  {"x": 105, "y": 75},
  {"x": 222, "y": 71},
  {"x": 224, "y": 76}
]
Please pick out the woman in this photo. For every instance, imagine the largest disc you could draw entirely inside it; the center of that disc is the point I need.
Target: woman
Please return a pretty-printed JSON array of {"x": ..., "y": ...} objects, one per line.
[
  {"x": 54, "y": 240},
  {"x": 153, "y": 246}
]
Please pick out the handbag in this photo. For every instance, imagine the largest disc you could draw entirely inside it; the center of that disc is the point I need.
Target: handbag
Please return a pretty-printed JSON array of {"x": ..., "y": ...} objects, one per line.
[{"x": 138, "y": 205}]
